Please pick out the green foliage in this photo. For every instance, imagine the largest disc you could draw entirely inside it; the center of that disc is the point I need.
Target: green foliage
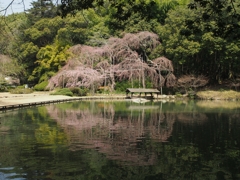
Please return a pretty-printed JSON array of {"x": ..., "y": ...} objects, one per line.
[
  {"x": 221, "y": 90},
  {"x": 202, "y": 39},
  {"x": 41, "y": 9},
  {"x": 29, "y": 50},
  {"x": 79, "y": 91},
  {"x": 21, "y": 90},
  {"x": 157, "y": 52},
  {"x": 178, "y": 95},
  {"x": 224, "y": 15},
  {"x": 9, "y": 67},
  {"x": 98, "y": 32},
  {"x": 63, "y": 91},
  {"x": 74, "y": 31},
  {"x": 121, "y": 86},
  {"x": 43, "y": 32},
  {"x": 179, "y": 48},
  {"x": 134, "y": 16},
  {"x": 3, "y": 89},
  {"x": 217, "y": 24},
  {"x": 41, "y": 86},
  {"x": 50, "y": 59},
  {"x": 10, "y": 29}
]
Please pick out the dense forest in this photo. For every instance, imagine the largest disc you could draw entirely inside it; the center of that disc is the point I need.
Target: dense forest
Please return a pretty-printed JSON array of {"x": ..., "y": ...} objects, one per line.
[{"x": 118, "y": 44}]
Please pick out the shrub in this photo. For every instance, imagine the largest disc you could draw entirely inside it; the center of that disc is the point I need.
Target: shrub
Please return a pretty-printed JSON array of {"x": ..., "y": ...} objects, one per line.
[
  {"x": 121, "y": 86},
  {"x": 221, "y": 89},
  {"x": 79, "y": 91},
  {"x": 3, "y": 88},
  {"x": 41, "y": 86},
  {"x": 21, "y": 90},
  {"x": 178, "y": 94},
  {"x": 64, "y": 91},
  {"x": 103, "y": 89}
]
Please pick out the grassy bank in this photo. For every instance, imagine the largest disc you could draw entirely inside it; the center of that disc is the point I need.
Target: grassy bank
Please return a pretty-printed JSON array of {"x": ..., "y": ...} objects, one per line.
[{"x": 219, "y": 95}]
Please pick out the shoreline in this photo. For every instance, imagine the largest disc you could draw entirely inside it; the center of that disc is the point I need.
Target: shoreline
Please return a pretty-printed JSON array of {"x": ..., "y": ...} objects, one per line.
[{"x": 12, "y": 101}]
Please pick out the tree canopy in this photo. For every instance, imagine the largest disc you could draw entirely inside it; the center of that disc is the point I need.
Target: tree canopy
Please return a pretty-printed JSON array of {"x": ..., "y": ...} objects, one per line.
[{"x": 197, "y": 38}]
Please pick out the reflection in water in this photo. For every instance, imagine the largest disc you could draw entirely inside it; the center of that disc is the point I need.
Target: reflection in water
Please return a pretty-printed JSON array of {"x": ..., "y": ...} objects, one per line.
[
  {"x": 121, "y": 140},
  {"x": 118, "y": 136},
  {"x": 121, "y": 136},
  {"x": 192, "y": 117}
]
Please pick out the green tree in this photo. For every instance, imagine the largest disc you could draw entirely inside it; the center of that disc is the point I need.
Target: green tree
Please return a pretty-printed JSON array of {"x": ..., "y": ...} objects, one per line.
[
  {"x": 44, "y": 31},
  {"x": 32, "y": 39},
  {"x": 138, "y": 15},
  {"x": 50, "y": 59},
  {"x": 74, "y": 31},
  {"x": 199, "y": 46},
  {"x": 9, "y": 67},
  {"x": 217, "y": 24},
  {"x": 71, "y": 7},
  {"x": 131, "y": 16},
  {"x": 41, "y": 9},
  {"x": 224, "y": 14},
  {"x": 175, "y": 45},
  {"x": 10, "y": 27}
]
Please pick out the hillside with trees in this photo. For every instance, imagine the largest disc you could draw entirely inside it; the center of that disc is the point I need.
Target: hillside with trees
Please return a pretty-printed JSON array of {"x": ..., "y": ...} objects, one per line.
[{"x": 89, "y": 44}]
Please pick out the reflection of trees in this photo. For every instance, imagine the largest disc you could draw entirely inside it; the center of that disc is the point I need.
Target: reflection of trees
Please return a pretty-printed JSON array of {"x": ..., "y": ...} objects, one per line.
[
  {"x": 192, "y": 117},
  {"x": 35, "y": 146},
  {"x": 135, "y": 134},
  {"x": 117, "y": 135}
]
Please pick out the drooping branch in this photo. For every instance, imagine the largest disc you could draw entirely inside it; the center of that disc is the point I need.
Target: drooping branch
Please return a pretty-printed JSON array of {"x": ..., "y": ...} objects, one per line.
[
  {"x": 142, "y": 41},
  {"x": 88, "y": 55},
  {"x": 163, "y": 63},
  {"x": 191, "y": 81},
  {"x": 170, "y": 80},
  {"x": 76, "y": 75},
  {"x": 117, "y": 59},
  {"x": 165, "y": 67},
  {"x": 133, "y": 69}
]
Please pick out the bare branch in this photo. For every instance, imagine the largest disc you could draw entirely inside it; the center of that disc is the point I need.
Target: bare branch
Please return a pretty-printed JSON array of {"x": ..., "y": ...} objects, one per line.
[
  {"x": 191, "y": 81},
  {"x": 5, "y": 9}
]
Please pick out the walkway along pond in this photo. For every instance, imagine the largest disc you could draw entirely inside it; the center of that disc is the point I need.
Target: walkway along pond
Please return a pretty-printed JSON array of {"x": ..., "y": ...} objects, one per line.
[{"x": 11, "y": 101}]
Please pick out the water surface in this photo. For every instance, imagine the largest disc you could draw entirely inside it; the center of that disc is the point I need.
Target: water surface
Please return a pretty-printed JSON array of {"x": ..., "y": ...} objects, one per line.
[{"x": 121, "y": 140}]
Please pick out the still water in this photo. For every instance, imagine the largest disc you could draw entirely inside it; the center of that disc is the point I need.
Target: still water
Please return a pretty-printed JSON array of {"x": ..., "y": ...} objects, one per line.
[{"x": 121, "y": 140}]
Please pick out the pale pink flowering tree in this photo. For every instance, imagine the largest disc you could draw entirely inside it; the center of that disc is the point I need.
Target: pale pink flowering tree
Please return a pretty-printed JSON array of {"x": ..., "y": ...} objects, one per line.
[
  {"x": 165, "y": 70},
  {"x": 74, "y": 74},
  {"x": 118, "y": 59},
  {"x": 142, "y": 41}
]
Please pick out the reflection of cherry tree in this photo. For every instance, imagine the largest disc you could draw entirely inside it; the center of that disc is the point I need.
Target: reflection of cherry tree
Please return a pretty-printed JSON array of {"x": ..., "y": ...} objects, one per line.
[
  {"x": 98, "y": 126},
  {"x": 118, "y": 59}
]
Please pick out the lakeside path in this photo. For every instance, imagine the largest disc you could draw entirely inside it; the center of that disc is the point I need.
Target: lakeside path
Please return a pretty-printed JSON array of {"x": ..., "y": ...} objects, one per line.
[{"x": 10, "y": 101}]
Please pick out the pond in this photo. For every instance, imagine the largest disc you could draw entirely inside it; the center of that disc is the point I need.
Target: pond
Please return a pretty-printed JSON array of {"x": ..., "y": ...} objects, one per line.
[{"x": 121, "y": 140}]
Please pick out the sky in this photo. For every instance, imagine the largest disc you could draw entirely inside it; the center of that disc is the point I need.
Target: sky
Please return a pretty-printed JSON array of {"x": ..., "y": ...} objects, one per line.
[{"x": 17, "y": 6}]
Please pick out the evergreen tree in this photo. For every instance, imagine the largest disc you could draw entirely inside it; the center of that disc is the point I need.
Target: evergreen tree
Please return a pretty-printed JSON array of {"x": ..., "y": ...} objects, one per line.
[{"x": 42, "y": 9}]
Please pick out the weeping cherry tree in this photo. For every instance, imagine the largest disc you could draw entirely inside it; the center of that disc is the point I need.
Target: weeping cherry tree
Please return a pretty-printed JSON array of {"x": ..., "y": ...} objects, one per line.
[{"x": 119, "y": 59}]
